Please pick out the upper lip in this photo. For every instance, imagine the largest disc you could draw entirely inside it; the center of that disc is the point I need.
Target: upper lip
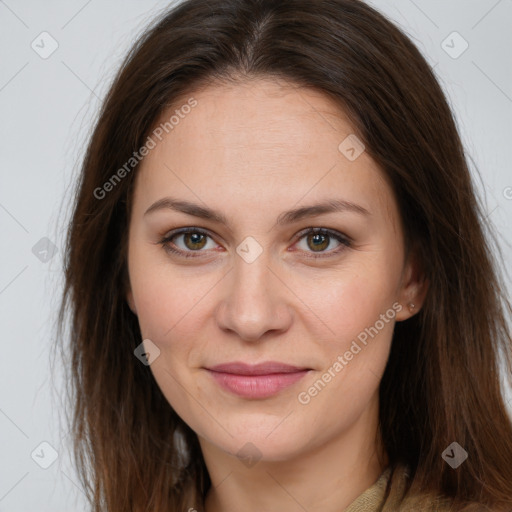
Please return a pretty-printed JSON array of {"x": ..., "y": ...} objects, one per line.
[{"x": 266, "y": 368}]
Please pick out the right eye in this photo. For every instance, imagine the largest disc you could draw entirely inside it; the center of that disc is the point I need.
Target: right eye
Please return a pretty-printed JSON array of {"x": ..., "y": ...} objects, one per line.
[{"x": 194, "y": 240}]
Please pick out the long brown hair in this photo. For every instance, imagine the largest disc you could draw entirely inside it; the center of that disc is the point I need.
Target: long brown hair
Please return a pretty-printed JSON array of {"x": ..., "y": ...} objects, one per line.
[{"x": 442, "y": 381}]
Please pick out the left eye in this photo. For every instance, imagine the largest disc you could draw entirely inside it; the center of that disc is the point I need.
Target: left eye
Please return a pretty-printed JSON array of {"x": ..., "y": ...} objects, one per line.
[
  {"x": 318, "y": 240},
  {"x": 194, "y": 240}
]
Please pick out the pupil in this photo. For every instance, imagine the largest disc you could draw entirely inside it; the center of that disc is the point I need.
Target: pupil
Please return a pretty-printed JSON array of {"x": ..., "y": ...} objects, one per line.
[
  {"x": 195, "y": 240},
  {"x": 319, "y": 240}
]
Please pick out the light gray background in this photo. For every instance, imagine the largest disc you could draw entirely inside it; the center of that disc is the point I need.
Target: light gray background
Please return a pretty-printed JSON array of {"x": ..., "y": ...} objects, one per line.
[{"x": 47, "y": 109}]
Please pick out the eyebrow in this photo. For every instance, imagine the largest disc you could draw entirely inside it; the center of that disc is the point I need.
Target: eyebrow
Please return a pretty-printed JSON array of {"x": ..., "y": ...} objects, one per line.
[{"x": 289, "y": 217}]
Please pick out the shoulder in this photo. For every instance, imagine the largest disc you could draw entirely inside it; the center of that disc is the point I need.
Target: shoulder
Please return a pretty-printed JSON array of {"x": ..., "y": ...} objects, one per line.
[
  {"x": 391, "y": 493},
  {"x": 399, "y": 500}
]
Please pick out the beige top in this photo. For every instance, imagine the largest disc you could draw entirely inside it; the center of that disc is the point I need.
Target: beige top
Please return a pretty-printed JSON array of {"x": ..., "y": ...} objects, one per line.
[{"x": 384, "y": 496}]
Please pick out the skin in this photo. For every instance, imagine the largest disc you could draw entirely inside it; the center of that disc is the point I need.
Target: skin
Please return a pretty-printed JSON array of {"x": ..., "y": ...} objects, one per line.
[{"x": 253, "y": 150}]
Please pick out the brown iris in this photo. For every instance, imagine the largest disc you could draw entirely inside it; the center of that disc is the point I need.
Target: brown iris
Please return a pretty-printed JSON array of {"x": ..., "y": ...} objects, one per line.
[
  {"x": 320, "y": 241},
  {"x": 197, "y": 240}
]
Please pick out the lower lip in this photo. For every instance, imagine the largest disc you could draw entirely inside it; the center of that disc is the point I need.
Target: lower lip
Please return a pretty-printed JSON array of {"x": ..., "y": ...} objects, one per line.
[{"x": 256, "y": 386}]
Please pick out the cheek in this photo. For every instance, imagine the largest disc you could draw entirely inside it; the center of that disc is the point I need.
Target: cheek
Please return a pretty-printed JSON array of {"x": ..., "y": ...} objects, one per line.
[
  {"x": 356, "y": 306},
  {"x": 359, "y": 313},
  {"x": 169, "y": 310},
  {"x": 166, "y": 296},
  {"x": 351, "y": 299},
  {"x": 174, "y": 307}
]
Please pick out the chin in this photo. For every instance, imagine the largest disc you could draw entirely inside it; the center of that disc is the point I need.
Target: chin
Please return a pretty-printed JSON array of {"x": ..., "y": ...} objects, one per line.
[
  {"x": 253, "y": 448},
  {"x": 262, "y": 438}
]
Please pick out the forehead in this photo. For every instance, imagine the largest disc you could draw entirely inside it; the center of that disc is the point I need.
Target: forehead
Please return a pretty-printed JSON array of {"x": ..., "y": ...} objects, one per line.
[
  {"x": 257, "y": 140},
  {"x": 263, "y": 116}
]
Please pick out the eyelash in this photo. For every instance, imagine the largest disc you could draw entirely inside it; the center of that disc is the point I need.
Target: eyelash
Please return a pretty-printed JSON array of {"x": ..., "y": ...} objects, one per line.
[{"x": 345, "y": 241}]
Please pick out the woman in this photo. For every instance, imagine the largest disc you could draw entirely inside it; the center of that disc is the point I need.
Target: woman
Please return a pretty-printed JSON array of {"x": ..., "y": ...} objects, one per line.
[{"x": 281, "y": 292}]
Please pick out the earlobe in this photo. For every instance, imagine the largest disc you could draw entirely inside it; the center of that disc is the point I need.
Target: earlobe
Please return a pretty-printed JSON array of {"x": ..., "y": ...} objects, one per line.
[
  {"x": 412, "y": 302},
  {"x": 414, "y": 289}
]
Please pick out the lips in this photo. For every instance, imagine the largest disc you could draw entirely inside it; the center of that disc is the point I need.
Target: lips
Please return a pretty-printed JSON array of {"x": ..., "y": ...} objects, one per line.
[
  {"x": 267, "y": 368},
  {"x": 256, "y": 381}
]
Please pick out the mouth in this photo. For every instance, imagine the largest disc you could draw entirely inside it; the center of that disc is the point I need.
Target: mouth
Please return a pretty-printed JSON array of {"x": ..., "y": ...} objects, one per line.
[{"x": 256, "y": 381}]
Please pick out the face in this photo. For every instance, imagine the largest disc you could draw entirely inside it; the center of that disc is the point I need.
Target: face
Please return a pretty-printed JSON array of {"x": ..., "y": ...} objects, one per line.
[{"x": 318, "y": 290}]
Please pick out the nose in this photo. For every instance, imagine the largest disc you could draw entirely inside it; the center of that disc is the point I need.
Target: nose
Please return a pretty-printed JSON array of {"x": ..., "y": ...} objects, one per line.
[{"x": 255, "y": 300}]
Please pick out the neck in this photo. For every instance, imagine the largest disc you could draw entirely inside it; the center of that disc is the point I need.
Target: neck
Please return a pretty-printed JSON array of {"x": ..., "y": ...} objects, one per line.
[{"x": 327, "y": 476}]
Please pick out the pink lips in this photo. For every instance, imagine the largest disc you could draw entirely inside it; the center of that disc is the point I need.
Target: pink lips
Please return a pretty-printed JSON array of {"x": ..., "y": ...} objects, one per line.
[{"x": 256, "y": 381}]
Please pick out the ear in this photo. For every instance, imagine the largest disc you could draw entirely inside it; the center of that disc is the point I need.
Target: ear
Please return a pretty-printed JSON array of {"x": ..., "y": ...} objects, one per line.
[{"x": 413, "y": 289}]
